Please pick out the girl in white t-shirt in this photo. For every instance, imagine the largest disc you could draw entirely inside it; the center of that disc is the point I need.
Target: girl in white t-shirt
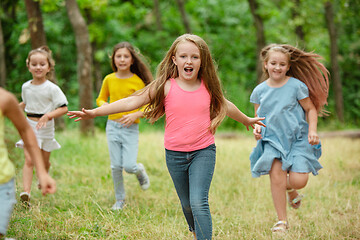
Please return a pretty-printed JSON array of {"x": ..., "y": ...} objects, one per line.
[{"x": 42, "y": 102}]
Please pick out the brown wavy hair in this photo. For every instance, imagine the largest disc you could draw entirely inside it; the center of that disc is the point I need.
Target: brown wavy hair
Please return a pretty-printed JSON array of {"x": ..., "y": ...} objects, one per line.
[
  {"x": 45, "y": 50},
  {"x": 306, "y": 67},
  {"x": 139, "y": 67},
  {"x": 167, "y": 69}
]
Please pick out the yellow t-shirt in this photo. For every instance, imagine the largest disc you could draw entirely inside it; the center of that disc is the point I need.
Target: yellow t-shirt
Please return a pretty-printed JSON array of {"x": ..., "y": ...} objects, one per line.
[
  {"x": 7, "y": 168},
  {"x": 114, "y": 88}
]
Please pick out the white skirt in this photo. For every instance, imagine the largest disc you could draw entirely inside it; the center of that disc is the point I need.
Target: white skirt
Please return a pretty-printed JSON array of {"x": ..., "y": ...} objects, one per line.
[{"x": 45, "y": 136}]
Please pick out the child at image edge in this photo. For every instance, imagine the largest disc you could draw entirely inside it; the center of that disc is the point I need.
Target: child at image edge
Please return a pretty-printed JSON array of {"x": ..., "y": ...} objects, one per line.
[
  {"x": 294, "y": 92},
  {"x": 9, "y": 107},
  {"x": 42, "y": 102},
  {"x": 188, "y": 91},
  {"x": 122, "y": 129}
]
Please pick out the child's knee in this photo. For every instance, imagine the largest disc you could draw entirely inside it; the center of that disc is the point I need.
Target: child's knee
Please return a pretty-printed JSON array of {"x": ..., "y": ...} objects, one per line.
[
  {"x": 116, "y": 168},
  {"x": 132, "y": 169},
  {"x": 187, "y": 208},
  {"x": 29, "y": 163},
  {"x": 298, "y": 180},
  {"x": 47, "y": 165}
]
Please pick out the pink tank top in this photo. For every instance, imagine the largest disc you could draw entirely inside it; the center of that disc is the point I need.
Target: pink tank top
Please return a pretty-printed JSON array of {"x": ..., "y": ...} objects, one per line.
[{"x": 187, "y": 119}]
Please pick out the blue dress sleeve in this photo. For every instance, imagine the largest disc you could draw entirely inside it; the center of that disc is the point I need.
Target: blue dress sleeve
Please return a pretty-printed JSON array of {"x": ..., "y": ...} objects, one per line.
[
  {"x": 303, "y": 91},
  {"x": 254, "y": 97}
]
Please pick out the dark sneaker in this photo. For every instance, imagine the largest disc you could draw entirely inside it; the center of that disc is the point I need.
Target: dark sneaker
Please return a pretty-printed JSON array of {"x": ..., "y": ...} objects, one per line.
[
  {"x": 25, "y": 199},
  {"x": 143, "y": 178}
]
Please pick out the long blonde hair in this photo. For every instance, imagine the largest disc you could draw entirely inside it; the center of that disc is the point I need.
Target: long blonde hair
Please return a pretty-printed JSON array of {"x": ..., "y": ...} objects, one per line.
[
  {"x": 167, "y": 69},
  {"x": 306, "y": 67}
]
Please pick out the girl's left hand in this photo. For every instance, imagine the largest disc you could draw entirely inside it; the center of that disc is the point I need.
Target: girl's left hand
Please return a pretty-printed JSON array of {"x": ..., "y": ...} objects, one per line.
[
  {"x": 128, "y": 120},
  {"x": 43, "y": 121},
  {"x": 313, "y": 138},
  {"x": 253, "y": 121}
]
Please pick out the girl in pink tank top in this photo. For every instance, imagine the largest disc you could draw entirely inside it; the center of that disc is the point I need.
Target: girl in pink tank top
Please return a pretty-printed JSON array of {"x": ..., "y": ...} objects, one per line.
[{"x": 188, "y": 91}]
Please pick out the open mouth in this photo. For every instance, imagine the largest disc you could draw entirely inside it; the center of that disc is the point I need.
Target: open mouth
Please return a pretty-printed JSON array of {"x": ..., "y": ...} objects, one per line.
[{"x": 188, "y": 69}]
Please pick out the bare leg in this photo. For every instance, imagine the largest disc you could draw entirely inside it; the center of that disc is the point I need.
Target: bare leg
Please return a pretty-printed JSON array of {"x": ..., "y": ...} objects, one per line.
[
  {"x": 278, "y": 189},
  {"x": 27, "y": 172},
  {"x": 296, "y": 181},
  {"x": 46, "y": 158}
]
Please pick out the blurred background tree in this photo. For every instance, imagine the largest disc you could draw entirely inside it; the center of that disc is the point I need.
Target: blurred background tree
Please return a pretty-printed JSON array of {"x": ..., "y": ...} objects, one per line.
[{"x": 235, "y": 30}]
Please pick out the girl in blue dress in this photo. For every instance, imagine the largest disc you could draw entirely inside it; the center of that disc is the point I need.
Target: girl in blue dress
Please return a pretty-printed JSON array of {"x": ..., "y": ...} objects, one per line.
[{"x": 294, "y": 92}]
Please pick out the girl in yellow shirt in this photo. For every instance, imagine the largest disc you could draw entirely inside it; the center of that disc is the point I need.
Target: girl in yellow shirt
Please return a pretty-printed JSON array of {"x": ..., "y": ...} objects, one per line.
[{"x": 130, "y": 75}]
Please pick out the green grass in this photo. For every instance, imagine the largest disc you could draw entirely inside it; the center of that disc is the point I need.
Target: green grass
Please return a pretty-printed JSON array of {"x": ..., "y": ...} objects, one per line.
[{"x": 241, "y": 206}]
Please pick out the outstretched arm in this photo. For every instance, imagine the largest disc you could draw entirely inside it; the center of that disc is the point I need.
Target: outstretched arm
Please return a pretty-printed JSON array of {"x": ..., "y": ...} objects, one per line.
[
  {"x": 312, "y": 118},
  {"x": 50, "y": 115},
  {"x": 123, "y": 105},
  {"x": 257, "y": 129},
  {"x": 237, "y": 115},
  {"x": 12, "y": 111}
]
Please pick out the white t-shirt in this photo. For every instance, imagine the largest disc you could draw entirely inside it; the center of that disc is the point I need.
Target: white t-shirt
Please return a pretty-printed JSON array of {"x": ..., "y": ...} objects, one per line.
[{"x": 43, "y": 98}]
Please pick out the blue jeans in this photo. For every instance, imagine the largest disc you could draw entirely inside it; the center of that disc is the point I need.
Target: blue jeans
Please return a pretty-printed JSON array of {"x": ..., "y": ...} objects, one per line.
[
  {"x": 7, "y": 202},
  {"x": 123, "y": 145},
  {"x": 192, "y": 174}
]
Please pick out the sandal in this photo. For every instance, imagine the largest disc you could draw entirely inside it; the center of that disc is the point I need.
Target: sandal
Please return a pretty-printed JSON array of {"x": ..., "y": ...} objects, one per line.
[
  {"x": 295, "y": 202},
  {"x": 280, "y": 226}
]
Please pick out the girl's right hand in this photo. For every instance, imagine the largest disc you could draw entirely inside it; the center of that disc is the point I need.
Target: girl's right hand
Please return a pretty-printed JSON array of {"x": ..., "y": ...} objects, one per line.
[
  {"x": 81, "y": 115},
  {"x": 257, "y": 132},
  {"x": 47, "y": 184}
]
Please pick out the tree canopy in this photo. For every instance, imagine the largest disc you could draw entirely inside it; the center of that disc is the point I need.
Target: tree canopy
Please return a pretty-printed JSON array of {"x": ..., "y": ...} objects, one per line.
[{"x": 226, "y": 25}]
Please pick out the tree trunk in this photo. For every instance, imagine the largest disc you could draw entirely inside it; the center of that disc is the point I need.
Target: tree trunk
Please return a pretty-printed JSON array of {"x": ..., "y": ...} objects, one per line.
[
  {"x": 97, "y": 70},
  {"x": 335, "y": 73},
  {"x": 38, "y": 39},
  {"x": 260, "y": 36},
  {"x": 2, "y": 59},
  {"x": 97, "y": 75},
  {"x": 36, "y": 27},
  {"x": 184, "y": 15},
  {"x": 158, "y": 15},
  {"x": 299, "y": 31},
  {"x": 84, "y": 63}
]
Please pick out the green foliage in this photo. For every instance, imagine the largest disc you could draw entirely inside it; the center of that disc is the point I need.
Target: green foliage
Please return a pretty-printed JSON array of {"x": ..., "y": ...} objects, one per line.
[{"x": 226, "y": 25}]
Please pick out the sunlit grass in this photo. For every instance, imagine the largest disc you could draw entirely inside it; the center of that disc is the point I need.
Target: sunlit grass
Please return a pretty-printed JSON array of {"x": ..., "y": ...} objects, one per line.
[{"x": 241, "y": 206}]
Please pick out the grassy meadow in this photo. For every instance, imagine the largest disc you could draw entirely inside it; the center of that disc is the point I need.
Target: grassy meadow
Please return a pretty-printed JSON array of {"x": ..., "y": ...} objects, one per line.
[{"x": 241, "y": 206}]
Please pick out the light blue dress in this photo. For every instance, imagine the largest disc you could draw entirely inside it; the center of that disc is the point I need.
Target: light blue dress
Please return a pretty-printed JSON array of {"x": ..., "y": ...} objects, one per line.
[{"x": 286, "y": 134}]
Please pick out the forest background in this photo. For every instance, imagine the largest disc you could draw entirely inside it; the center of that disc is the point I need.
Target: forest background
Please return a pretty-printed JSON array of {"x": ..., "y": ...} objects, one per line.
[{"x": 82, "y": 33}]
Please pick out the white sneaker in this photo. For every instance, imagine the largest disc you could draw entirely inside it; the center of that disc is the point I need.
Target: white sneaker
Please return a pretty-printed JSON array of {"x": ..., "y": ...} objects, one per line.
[
  {"x": 119, "y": 205},
  {"x": 143, "y": 178},
  {"x": 25, "y": 199}
]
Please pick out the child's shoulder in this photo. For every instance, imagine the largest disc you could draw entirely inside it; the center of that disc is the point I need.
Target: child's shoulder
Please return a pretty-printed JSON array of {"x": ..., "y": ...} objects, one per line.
[
  {"x": 7, "y": 99},
  {"x": 167, "y": 87},
  {"x": 297, "y": 82},
  {"x": 110, "y": 75},
  {"x": 261, "y": 86},
  {"x": 27, "y": 83}
]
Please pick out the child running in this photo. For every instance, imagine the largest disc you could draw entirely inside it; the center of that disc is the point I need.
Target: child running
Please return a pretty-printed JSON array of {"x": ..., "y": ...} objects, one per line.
[
  {"x": 188, "y": 91},
  {"x": 9, "y": 107},
  {"x": 122, "y": 129},
  {"x": 294, "y": 92},
  {"x": 42, "y": 102}
]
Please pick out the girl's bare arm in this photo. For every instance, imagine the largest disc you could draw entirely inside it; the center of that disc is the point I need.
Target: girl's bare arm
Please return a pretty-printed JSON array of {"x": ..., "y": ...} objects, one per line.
[
  {"x": 312, "y": 118},
  {"x": 237, "y": 115},
  {"x": 123, "y": 105}
]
